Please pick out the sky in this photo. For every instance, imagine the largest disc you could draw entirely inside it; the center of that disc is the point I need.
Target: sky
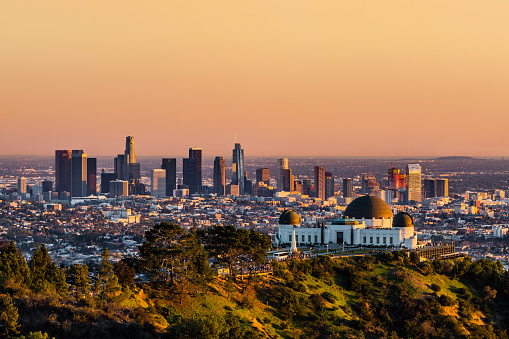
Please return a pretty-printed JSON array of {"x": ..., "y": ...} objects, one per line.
[{"x": 287, "y": 78}]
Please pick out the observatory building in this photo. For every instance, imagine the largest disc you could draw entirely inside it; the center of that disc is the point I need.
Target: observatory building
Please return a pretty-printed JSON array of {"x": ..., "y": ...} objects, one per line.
[{"x": 367, "y": 220}]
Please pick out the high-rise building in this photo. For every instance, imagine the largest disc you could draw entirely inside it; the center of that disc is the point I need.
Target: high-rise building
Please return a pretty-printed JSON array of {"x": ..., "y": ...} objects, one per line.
[
  {"x": 369, "y": 185},
  {"x": 329, "y": 185},
  {"x": 22, "y": 185},
  {"x": 282, "y": 164},
  {"x": 238, "y": 168},
  {"x": 307, "y": 185},
  {"x": 442, "y": 187},
  {"x": 63, "y": 170},
  {"x": 414, "y": 182},
  {"x": 395, "y": 179},
  {"x": 91, "y": 176},
  {"x": 119, "y": 188},
  {"x": 192, "y": 174},
  {"x": 128, "y": 169},
  {"x": 219, "y": 176},
  {"x": 263, "y": 175},
  {"x": 78, "y": 174},
  {"x": 170, "y": 165},
  {"x": 105, "y": 181},
  {"x": 430, "y": 188},
  {"x": 158, "y": 180},
  {"x": 319, "y": 182},
  {"x": 47, "y": 186},
  {"x": 348, "y": 191},
  {"x": 288, "y": 180}
]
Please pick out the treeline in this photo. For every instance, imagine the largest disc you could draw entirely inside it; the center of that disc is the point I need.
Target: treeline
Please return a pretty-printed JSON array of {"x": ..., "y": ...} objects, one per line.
[{"x": 174, "y": 264}]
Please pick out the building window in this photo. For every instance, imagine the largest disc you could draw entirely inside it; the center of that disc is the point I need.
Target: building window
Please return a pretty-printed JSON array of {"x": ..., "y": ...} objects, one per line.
[
  {"x": 309, "y": 238},
  {"x": 316, "y": 238},
  {"x": 377, "y": 240},
  {"x": 385, "y": 240},
  {"x": 290, "y": 238},
  {"x": 370, "y": 240},
  {"x": 303, "y": 237},
  {"x": 391, "y": 240},
  {"x": 364, "y": 240}
]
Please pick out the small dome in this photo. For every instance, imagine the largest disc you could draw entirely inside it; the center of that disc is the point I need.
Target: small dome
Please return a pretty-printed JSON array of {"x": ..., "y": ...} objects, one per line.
[
  {"x": 368, "y": 207},
  {"x": 289, "y": 217},
  {"x": 403, "y": 219}
]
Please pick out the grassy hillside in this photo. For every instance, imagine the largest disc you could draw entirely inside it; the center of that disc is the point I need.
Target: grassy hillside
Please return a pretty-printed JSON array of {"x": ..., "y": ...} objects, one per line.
[{"x": 363, "y": 297}]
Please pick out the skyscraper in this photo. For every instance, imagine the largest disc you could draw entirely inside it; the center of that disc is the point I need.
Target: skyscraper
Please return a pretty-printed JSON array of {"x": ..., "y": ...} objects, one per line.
[
  {"x": 78, "y": 174},
  {"x": 263, "y": 175},
  {"x": 105, "y": 181},
  {"x": 319, "y": 182},
  {"x": 170, "y": 165},
  {"x": 442, "y": 187},
  {"x": 282, "y": 164},
  {"x": 47, "y": 185},
  {"x": 430, "y": 188},
  {"x": 329, "y": 185},
  {"x": 22, "y": 185},
  {"x": 91, "y": 176},
  {"x": 63, "y": 170},
  {"x": 219, "y": 176},
  {"x": 348, "y": 191},
  {"x": 192, "y": 175},
  {"x": 238, "y": 168},
  {"x": 127, "y": 168},
  {"x": 158, "y": 180},
  {"x": 414, "y": 182},
  {"x": 287, "y": 179}
]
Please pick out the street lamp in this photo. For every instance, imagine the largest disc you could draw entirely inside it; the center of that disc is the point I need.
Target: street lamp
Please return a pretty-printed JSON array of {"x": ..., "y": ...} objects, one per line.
[{"x": 327, "y": 248}]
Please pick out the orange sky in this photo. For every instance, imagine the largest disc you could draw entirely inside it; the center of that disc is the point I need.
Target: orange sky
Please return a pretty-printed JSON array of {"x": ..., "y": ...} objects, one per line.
[{"x": 345, "y": 78}]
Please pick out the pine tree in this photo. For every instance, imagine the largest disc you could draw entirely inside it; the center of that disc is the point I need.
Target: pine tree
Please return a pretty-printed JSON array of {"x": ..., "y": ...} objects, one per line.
[
  {"x": 8, "y": 317},
  {"x": 110, "y": 287},
  {"x": 13, "y": 267},
  {"x": 80, "y": 280}
]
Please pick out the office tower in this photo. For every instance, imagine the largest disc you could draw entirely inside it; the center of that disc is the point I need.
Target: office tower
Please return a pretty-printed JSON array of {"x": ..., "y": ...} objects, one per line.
[
  {"x": 130, "y": 155},
  {"x": 238, "y": 168},
  {"x": 442, "y": 187},
  {"x": 329, "y": 185},
  {"x": 78, "y": 173},
  {"x": 369, "y": 185},
  {"x": 348, "y": 191},
  {"x": 91, "y": 176},
  {"x": 248, "y": 184},
  {"x": 414, "y": 182},
  {"x": 263, "y": 175},
  {"x": 430, "y": 188},
  {"x": 307, "y": 185},
  {"x": 119, "y": 188},
  {"x": 22, "y": 185},
  {"x": 219, "y": 176},
  {"x": 287, "y": 180},
  {"x": 282, "y": 164},
  {"x": 192, "y": 170},
  {"x": 170, "y": 165},
  {"x": 63, "y": 170},
  {"x": 297, "y": 186},
  {"x": 395, "y": 179},
  {"x": 158, "y": 180},
  {"x": 47, "y": 186},
  {"x": 319, "y": 182},
  {"x": 128, "y": 169},
  {"x": 105, "y": 181}
]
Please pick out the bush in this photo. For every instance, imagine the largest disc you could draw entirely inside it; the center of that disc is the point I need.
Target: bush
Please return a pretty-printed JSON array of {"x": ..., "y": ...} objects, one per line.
[
  {"x": 435, "y": 287},
  {"x": 329, "y": 297}
]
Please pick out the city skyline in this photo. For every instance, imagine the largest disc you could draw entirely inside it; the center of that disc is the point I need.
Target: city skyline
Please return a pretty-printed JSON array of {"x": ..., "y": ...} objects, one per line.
[{"x": 377, "y": 69}]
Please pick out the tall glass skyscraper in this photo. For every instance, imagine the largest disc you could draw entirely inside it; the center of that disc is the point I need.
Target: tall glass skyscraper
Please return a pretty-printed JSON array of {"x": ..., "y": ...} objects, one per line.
[
  {"x": 219, "y": 176},
  {"x": 238, "y": 168},
  {"x": 414, "y": 182}
]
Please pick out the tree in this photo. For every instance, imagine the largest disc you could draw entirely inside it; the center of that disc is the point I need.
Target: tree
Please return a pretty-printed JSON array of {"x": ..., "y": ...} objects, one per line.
[
  {"x": 46, "y": 277},
  {"x": 109, "y": 286},
  {"x": 8, "y": 317},
  {"x": 13, "y": 267},
  {"x": 125, "y": 273},
  {"x": 80, "y": 279}
]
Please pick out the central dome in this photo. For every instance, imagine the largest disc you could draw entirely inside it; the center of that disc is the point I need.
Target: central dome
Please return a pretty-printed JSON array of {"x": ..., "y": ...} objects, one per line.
[
  {"x": 368, "y": 207},
  {"x": 289, "y": 217}
]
